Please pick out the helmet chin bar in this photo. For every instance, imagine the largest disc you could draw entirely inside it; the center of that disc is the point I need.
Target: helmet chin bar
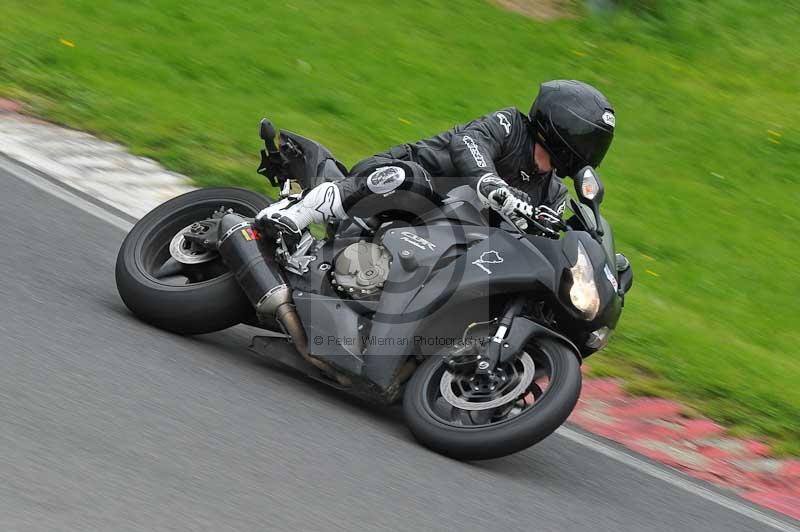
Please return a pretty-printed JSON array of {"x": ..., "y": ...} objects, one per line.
[{"x": 561, "y": 168}]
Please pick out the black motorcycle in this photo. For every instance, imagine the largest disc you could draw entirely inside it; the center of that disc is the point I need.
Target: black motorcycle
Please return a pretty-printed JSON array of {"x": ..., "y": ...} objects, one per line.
[{"x": 479, "y": 327}]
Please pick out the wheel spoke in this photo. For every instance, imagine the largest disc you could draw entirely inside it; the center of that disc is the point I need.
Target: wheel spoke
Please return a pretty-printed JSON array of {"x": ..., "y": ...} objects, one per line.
[
  {"x": 481, "y": 417},
  {"x": 171, "y": 268},
  {"x": 444, "y": 409},
  {"x": 512, "y": 389}
]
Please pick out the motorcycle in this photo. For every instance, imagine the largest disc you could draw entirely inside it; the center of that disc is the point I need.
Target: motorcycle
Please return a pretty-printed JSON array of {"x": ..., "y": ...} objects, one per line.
[{"x": 479, "y": 328}]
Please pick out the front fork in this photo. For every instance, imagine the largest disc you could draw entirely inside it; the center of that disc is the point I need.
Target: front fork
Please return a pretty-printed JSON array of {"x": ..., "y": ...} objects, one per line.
[
  {"x": 506, "y": 341},
  {"x": 487, "y": 361}
]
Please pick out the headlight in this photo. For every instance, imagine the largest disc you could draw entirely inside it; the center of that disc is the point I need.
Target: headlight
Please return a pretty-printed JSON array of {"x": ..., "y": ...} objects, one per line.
[{"x": 583, "y": 293}]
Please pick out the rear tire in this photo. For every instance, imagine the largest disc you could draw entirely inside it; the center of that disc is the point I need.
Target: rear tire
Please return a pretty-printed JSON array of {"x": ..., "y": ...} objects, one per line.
[
  {"x": 493, "y": 440},
  {"x": 196, "y": 307}
]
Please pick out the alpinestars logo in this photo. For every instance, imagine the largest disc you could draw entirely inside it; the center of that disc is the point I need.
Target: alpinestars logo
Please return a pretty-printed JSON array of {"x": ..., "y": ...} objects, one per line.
[
  {"x": 504, "y": 122},
  {"x": 473, "y": 149},
  {"x": 325, "y": 207},
  {"x": 609, "y": 119}
]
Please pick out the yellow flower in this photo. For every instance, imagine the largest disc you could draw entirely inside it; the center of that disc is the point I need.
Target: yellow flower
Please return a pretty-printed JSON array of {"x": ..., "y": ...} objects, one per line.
[
  {"x": 404, "y": 121},
  {"x": 67, "y": 43},
  {"x": 654, "y": 274}
]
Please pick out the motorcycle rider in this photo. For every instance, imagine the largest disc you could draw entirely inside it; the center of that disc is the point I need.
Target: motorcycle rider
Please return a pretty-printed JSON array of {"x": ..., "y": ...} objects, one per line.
[{"x": 514, "y": 161}]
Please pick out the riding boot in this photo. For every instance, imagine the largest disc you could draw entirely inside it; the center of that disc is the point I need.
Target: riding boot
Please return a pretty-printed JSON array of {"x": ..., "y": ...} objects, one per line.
[{"x": 321, "y": 204}]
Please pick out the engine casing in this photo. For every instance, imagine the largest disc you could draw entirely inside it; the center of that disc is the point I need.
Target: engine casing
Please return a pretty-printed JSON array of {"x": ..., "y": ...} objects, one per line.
[{"x": 361, "y": 269}]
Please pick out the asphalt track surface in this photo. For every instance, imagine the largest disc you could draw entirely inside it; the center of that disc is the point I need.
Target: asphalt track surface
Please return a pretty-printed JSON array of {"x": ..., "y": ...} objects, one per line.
[{"x": 109, "y": 424}]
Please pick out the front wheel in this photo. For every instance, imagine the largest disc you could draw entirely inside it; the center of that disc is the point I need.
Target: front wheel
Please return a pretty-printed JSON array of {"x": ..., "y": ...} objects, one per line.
[
  {"x": 197, "y": 294},
  {"x": 473, "y": 418}
]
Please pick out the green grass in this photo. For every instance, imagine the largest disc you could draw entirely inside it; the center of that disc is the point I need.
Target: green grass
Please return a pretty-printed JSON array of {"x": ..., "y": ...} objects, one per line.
[{"x": 703, "y": 181}]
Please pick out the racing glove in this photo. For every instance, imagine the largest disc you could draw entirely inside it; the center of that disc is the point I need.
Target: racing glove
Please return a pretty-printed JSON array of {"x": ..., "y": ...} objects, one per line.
[
  {"x": 504, "y": 199},
  {"x": 546, "y": 215}
]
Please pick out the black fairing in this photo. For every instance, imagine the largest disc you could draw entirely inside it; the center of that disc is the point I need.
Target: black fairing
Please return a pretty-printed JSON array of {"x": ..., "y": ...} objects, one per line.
[
  {"x": 326, "y": 331},
  {"x": 464, "y": 274}
]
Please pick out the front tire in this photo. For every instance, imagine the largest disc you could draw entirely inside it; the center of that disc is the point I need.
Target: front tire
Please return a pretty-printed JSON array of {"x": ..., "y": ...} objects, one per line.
[
  {"x": 199, "y": 299},
  {"x": 476, "y": 435}
]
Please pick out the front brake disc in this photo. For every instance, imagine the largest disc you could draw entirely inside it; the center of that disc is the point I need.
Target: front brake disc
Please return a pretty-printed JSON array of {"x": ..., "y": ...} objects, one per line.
[{"x": 446, "y": 389}]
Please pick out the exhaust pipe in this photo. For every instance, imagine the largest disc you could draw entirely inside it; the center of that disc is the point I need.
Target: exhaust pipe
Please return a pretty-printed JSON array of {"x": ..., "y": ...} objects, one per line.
[
  {"x": 286, "y": 314},
  {"x": 246, "y": 255}
]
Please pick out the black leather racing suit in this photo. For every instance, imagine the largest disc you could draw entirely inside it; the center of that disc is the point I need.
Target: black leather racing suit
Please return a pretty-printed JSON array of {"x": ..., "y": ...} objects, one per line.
[{"x": 498, "y": 143}]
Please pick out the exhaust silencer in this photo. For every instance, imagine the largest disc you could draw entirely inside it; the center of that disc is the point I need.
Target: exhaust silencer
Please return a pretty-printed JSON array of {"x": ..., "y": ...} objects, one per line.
[{"x": 240, "y": 247}]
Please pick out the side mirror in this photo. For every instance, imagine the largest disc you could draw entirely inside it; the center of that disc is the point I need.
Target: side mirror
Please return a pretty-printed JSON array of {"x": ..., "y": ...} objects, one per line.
[
  {"x": 588, "y": 186},
  {"x": 271, "y": 165},
  {"x": 267, "y": 134},
  {"x": 590, "y": 191}
]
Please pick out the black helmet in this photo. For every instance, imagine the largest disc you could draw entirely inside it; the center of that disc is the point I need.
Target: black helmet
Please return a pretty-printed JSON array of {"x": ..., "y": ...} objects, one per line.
[{"x": 574, "y": 122}]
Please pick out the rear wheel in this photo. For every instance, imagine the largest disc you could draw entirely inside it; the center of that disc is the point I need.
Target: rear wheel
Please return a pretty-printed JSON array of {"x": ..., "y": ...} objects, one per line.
[
  {"x": 473, "y": 418},
  {"x": 195, "y": 294}
]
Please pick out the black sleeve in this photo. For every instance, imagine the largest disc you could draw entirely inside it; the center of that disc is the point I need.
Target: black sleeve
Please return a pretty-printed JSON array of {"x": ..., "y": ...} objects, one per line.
[{"x": 474, "y": 148}]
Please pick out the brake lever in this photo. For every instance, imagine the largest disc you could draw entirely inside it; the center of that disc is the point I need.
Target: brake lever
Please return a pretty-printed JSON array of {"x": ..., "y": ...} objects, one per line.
[{"x": 546, "y": 230}]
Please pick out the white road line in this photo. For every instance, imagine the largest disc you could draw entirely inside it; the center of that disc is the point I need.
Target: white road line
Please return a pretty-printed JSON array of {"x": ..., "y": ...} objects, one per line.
[
  {"x": 598, "y": 446},
  {"x": 51, "y": 188},
  {"x": 673, "y": 479}
]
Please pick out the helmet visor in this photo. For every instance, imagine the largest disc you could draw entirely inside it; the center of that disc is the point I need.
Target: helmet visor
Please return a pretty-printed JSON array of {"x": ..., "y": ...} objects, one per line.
[{"x": 585, "y": 148}]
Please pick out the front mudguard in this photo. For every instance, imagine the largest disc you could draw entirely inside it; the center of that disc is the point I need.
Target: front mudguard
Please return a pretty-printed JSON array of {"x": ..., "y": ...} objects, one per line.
[{"x": 521, "y": 332}]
